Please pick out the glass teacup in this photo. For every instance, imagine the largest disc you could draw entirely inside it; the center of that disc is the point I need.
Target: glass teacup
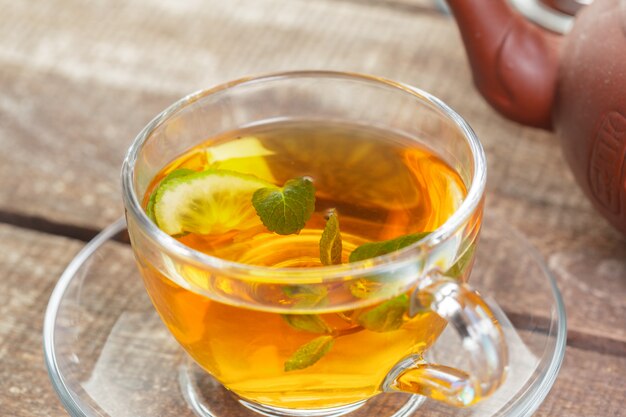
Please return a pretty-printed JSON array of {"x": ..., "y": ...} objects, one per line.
[{"x": 295, "y": 338}]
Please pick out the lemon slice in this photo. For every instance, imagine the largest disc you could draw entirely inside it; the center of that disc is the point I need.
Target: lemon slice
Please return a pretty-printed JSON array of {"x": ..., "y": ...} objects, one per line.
[{"x": 208, "y": 202}]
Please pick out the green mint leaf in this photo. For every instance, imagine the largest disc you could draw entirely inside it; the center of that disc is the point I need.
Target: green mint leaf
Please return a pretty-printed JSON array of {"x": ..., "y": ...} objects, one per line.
[
  {"x": 306, "y": 295},
  {"x": 364, "y": 288},
  {"x": 387, "y": 316},
  {"x": 309, "y": 353},
  {"x": 374, "y": 249},
  {"x": 285, "y": 210},
  {"x": 377, "y": 286},
  {"x": 330, "y": 243},
  {"x": 307, "y": 322},
  {"x": 181, "y": 172},
  {"x": 459, "y": 268}
]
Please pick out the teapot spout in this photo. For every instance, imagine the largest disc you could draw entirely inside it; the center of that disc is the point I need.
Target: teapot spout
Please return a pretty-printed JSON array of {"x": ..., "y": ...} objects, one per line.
[{"x": 514, "y": 62}]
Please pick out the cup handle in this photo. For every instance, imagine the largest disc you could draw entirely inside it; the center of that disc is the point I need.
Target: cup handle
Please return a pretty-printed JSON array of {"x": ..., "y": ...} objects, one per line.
[{"x": 482, "y": 340}]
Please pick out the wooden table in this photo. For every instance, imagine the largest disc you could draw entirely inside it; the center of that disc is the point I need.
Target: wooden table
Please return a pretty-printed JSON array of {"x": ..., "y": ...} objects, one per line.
[{"x": 79, "y": 79}]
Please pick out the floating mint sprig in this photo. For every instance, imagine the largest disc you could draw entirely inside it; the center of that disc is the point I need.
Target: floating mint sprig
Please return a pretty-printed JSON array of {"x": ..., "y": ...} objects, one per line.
[
  {"x": 307, "y": 322},
  {"x": 330, "y": 242},
  {"x": 365, "y": 288},
  {"x": 386, "y": 316},
  {"x": 374, "y": 249},
  {"x": 306, "y": 295},
  {"x": 285, "y": 210},
  {"x": 309, "y": 353}
]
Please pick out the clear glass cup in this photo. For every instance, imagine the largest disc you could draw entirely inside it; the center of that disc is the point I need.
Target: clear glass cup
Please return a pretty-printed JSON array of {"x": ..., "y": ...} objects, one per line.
[{"x": 417, "y": 270}]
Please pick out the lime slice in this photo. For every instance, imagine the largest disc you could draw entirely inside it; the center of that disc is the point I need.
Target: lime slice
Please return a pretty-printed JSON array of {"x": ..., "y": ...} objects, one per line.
[
  {"x": 181, "y": 172},
  {"x": 246, "y": 155},
  {"x": 208, "y": 202}
]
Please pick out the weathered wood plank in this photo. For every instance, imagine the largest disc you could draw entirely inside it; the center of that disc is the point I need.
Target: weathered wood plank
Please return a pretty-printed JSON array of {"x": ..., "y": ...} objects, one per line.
[
  {"x": 79, "y": 79},
  {"x": 77, "y": 88},
  {"x": 30, "y": 263},
  {"x": 408, "y": 6},
  {"x": 590, "y": 383},
  {"x": 78, "y": 84},
  {"x": 589, "y": 264}
]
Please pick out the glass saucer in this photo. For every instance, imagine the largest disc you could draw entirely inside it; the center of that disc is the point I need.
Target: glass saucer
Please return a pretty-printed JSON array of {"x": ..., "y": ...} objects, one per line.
[{"x": 108, "y": 354}]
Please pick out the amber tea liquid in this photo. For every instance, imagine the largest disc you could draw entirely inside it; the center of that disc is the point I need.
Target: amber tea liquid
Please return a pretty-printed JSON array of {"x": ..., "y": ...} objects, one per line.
[{"x": 382, "y": 186}]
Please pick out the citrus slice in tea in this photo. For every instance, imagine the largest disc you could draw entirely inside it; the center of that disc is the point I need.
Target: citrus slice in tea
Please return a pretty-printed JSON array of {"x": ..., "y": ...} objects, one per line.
[{"x": 208, "y": 202}]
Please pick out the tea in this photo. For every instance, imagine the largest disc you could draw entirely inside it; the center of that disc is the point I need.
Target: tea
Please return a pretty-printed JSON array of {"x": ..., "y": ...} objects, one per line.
[{"x": 378, "y": 185}]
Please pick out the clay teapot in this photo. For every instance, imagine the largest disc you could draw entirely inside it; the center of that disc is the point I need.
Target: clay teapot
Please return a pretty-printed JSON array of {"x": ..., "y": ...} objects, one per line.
[{"x": 573, "y": 84}]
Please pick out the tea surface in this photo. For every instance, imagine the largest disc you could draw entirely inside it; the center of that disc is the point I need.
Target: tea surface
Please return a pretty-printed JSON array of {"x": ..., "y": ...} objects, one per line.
[{"x": 380, "y": 186}]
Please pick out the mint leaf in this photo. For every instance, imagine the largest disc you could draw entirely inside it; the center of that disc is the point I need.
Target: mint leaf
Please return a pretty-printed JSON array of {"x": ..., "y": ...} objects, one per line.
[
  {"x": 307, "y": 322},
  {"x": 330, "y": 242},
  {"x": 181, "y": 172},
  {"x": 306, "y": 295},
  {"x": 364, "y": 288},
  {"x": 374, "y": 249},
  {"x": 309, "y": 353},
  {"x": 285, "y": 210},
  {"x": 387, "y": 316},
  {"x": 459, "y": 268}
]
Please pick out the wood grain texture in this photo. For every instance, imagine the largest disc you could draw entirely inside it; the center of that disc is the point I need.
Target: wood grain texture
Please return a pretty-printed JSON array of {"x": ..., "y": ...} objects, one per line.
[
  {"x": 77, "y": 88},
  {"x": 80, "y": 79},
  {"x": 30, "y": 263},
  {"x": 590, "y": 383},
  {"x": 80, "y": 86},
  {"x": 410, "y": 6}
]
